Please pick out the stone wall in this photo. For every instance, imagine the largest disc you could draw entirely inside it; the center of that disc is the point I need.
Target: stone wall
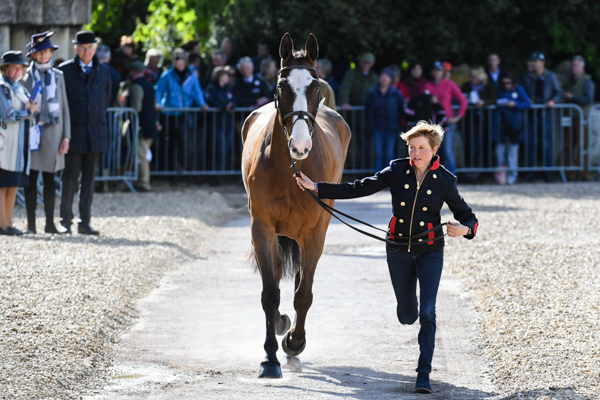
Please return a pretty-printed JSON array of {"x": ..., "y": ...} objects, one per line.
[{"x": 19, "y": 19}]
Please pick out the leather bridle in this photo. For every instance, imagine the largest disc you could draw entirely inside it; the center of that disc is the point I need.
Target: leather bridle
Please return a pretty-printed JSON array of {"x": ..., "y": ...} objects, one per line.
[{"x": 302, "y": 115}]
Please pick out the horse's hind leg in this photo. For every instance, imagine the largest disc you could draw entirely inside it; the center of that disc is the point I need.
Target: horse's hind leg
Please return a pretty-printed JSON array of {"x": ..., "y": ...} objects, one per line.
[{"x": 265, "y": 246}]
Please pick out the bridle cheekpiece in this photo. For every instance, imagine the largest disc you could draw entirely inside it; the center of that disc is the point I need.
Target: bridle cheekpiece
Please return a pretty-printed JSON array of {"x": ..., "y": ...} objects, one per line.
[{"x": 302, "y": 115}]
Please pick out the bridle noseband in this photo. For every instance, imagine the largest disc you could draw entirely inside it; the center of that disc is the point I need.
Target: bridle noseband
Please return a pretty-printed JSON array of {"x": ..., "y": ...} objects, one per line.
[{"x": 302, "y": 115}]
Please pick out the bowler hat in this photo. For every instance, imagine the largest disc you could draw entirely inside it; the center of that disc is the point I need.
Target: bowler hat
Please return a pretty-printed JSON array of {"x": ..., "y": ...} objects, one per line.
[
  {"x": 40, "y": 41},
  {"x": 84, "y": 37},
  {"x": 13, "y": 57}
]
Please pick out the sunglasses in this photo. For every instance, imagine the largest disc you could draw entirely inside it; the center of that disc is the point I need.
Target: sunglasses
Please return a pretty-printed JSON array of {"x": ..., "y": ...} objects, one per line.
[{"x": 507, "y": 83}]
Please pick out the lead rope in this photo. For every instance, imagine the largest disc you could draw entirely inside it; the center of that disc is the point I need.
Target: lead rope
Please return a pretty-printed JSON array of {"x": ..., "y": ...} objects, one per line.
[{"x": 332, "y": 211}]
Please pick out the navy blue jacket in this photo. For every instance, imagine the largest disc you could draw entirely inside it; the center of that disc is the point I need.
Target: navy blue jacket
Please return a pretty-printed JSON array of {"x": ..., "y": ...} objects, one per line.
[
  {"x": 88, "y": 97},
  {"x": 248, "y": 93},
  {"x": 394, "y": 103},
  {"x": 512, "y": 118},
  {"x": 219, "y": 97},
  {"x": 415, "y": 209},
  {"x": 115, "y": 81},
  {"x": 147, "y": 116}
]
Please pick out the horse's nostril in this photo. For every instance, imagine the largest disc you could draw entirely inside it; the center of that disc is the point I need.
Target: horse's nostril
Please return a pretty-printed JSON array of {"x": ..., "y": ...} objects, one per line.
[{"x": 306, "y": 150}]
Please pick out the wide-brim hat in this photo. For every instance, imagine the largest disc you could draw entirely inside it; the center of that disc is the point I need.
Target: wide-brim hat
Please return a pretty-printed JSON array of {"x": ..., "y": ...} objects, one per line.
[
  {"x": 13, "y": 57},
  {"x": 40, "y": 41},
  {"x": 84, "y": 37}
]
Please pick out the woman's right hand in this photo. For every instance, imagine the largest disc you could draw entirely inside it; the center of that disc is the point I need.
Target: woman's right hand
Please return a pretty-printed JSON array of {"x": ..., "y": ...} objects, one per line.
[{"x": 304, "y": 182}]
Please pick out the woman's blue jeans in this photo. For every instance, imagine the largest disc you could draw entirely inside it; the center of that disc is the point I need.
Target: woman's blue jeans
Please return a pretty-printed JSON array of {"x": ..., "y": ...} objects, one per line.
[
  {"x": 405, "y": 270},
  {"x": 385, "y": 147},
  {"x": 447, "y": 149}
]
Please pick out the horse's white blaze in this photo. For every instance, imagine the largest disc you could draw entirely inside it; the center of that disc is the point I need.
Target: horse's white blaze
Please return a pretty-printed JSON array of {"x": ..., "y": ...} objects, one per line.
[{"x": 299, "y": 80}]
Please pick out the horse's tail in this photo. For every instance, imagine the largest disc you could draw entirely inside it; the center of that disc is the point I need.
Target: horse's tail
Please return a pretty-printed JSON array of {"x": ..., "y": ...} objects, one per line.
[{"x": 290, "y": 256}]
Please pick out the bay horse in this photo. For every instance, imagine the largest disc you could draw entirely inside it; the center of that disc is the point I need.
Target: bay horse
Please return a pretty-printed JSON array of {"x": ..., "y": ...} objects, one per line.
[{"x": 288, "y": 227}]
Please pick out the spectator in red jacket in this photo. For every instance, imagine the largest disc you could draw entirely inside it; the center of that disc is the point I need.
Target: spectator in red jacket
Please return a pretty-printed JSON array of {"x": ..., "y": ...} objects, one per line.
[{"x": 445, "y": 90}]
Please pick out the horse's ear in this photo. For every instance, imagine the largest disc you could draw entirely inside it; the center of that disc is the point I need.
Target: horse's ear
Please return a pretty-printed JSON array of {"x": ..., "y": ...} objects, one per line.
[
  {"x": 286, "y": 47},
  {"x": 312, "y": 48}
]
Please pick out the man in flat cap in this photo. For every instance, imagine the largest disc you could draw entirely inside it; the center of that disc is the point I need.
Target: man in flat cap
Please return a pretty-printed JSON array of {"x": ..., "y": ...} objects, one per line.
[{"x": 89, "y": 95}]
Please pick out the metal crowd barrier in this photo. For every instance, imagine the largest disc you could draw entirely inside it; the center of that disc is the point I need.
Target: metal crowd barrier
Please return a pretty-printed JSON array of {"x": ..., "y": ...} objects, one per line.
[
  {"x": 593, "y": 139},
  {"x": 195, "y": 142},
  {"x": 552, "y": 139},
  {"x": 120, "y": 163}
]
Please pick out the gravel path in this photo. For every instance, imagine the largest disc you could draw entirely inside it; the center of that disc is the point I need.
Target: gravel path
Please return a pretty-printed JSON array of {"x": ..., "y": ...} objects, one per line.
[
  {"x": 65, "y": 300},
  {"x": 533, "y": 273}
]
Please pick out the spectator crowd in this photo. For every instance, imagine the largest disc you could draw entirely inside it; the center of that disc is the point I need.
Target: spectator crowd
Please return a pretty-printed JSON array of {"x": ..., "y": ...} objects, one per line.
[{"x": 53, "y": 112}]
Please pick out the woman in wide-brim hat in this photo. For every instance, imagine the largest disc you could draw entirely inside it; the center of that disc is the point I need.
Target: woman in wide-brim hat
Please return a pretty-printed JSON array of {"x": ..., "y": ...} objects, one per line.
[
  {"x": 55, "y": 123},
  {"x": 15, "y": 113}
]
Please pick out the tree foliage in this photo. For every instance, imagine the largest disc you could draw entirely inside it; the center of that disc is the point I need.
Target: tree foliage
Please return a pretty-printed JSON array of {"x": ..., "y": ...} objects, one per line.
[
  {"x": 396, "y": 31},
  {"x": 427, "y": 30}
]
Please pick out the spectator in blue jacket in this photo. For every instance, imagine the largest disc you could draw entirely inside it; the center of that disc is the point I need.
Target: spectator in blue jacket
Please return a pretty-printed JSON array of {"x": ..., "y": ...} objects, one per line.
[
  {"x": 512, "y": 100},
  {"x": 542, "y": 87},
  {"x": 219, "y": 95},
  {"x": 384, "y": 107},
  {"x": 179, "y": 87}
]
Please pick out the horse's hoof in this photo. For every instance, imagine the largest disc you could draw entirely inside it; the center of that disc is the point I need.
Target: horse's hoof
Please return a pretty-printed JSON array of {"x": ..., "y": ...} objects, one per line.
[
  {"x": 283, "y": 326},
  {"x": 292, "y": 364},
  {"x": 289, "y": 351},
  {"x": 270, "y": 371}
]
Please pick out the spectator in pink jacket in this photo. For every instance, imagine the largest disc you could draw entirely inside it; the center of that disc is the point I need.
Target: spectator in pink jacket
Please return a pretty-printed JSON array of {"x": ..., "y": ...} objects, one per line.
[{"x": 444, "y": 90}]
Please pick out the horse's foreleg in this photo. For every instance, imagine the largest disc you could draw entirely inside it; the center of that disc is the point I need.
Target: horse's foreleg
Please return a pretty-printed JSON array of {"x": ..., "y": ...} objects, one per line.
[
  {"x": 295, "y": 341},
  {"x": 265, "y": 246}
]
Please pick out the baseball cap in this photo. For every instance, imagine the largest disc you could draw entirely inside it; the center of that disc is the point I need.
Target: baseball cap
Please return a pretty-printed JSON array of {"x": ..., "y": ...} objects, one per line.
[
  {"x": 437, "y": 65},
  {"x": 137, "y": 66},
  {"x": 537, "y": 55},
  {"x": 447, "y": 66},
  {"x": 368, "y": 58},
  {"x": 387, "y": 71}
]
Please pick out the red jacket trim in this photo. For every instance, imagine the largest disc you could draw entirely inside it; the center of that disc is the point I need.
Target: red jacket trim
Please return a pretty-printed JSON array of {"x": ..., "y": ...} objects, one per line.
[
  {"x": 393, "y": 227},
  {"x": 431, "y": 234},
  {"x": 475, "y": 229}
]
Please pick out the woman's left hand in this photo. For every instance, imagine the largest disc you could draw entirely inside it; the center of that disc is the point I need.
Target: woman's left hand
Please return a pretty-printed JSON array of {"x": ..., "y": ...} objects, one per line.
[
  {"x": 456, "y": 229},
  {"x": 64, "y": 147}
]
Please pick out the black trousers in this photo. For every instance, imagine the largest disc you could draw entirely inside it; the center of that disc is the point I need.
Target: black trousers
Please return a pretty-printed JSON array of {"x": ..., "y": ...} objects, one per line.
[
  {"x": 31, "y": 197},
  {"x": 85, "y": 164}
]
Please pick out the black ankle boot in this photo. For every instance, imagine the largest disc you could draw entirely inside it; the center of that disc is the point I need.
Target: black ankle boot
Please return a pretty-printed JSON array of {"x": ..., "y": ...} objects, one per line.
[
  {"x": 51, "y": 228},
  {"x": 30, "y": 224}
]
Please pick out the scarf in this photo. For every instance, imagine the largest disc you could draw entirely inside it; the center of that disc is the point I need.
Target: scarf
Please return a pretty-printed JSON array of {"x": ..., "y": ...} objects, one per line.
[{"x": 49, "y": 106}]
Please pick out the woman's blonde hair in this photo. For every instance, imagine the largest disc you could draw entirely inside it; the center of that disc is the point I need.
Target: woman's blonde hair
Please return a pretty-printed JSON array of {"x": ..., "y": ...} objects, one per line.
[
  {"x": 433, "y": 132},
  {"x": 4, "y": 68}
]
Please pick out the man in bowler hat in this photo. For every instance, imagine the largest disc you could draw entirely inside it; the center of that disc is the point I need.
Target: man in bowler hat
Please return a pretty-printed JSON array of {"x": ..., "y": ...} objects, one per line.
[{"x": 88, "y": 93}]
